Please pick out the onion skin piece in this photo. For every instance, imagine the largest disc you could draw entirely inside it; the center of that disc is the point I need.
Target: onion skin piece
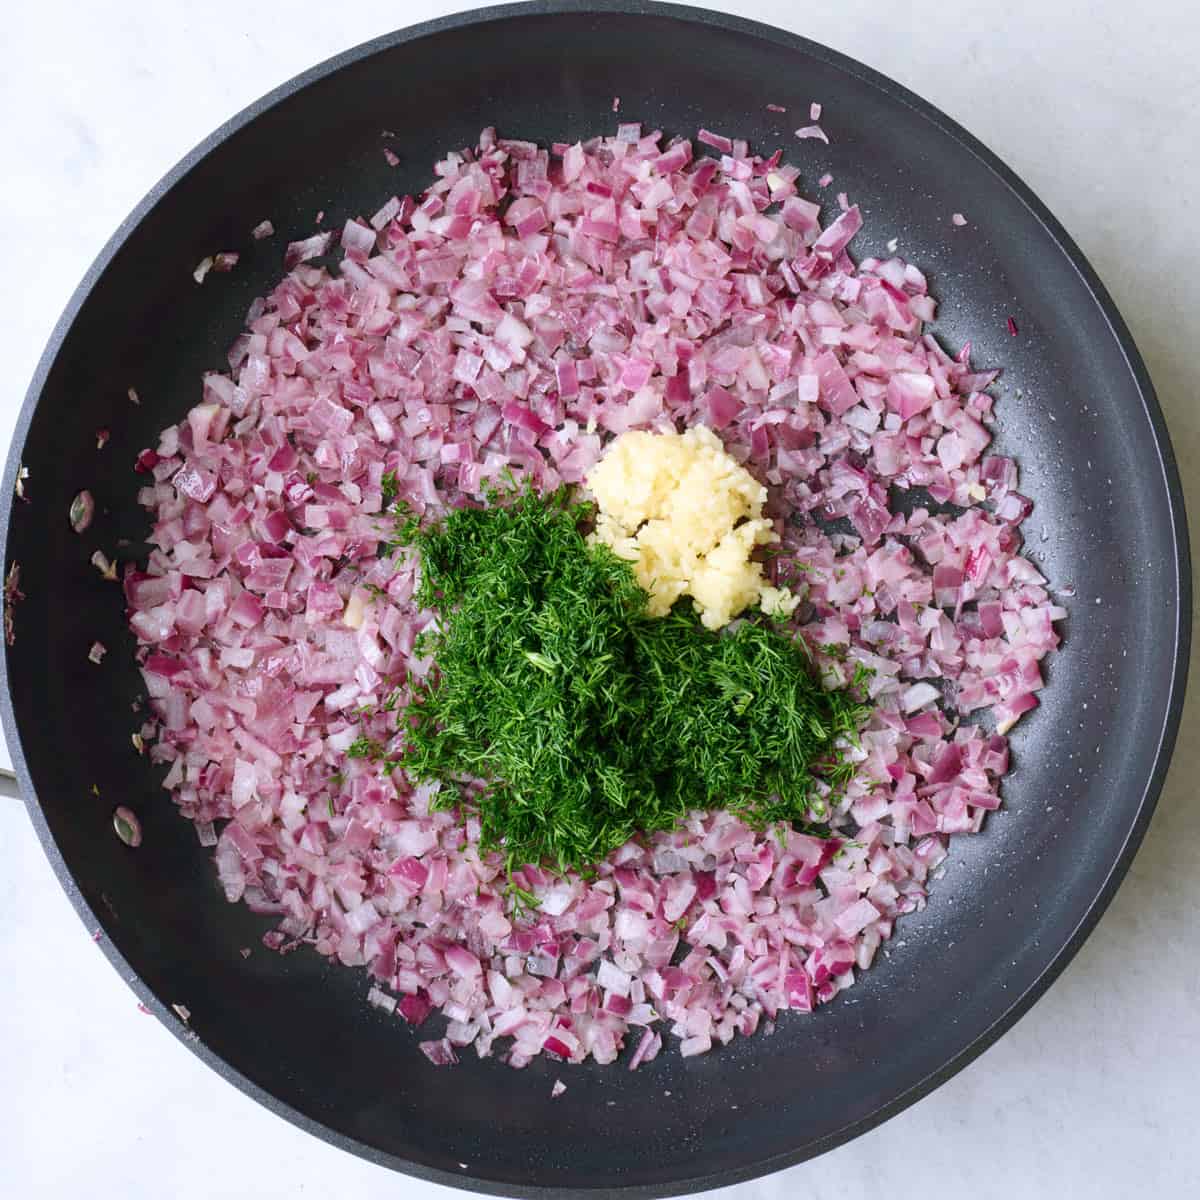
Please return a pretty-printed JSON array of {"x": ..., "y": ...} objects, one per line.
[
  {"x": 83, "y": 508},
  {"x": 127, "y": 826}
]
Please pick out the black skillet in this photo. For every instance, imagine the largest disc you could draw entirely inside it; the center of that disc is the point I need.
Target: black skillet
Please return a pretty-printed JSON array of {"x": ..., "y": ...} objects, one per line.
[{"x": 1077, "y": 409}]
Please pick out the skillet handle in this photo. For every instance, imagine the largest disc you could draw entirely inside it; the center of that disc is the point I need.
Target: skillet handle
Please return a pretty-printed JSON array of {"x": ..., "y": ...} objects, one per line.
[{"x": 8, "y": 786}]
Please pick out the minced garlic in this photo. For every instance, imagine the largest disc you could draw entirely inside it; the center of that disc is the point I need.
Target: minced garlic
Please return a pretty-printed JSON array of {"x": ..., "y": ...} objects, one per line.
[
  {"x": 356, "y": 610},
  {"x": 688, "y": 517}
]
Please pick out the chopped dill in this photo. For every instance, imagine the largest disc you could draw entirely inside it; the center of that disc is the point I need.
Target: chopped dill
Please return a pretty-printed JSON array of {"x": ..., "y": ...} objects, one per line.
[
  {"x": 389, "y": 486},
  {"x": 364, "y": 747},
  {"x": 520, "y": 901},
  {"x": 587, "y": 721}
]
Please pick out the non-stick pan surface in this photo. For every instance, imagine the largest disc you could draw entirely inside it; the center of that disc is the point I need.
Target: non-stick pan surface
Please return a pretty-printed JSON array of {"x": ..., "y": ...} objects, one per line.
[{"x": 1075, "y": 406}]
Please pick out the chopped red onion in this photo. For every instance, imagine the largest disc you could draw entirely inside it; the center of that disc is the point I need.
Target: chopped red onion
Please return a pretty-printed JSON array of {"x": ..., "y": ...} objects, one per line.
[
  {"x": 440, "y": 1053},
  {"x": 308, "y": 248},
  {"x": 358, "y": 241},
  {"x": 717, "y": 140},
  {"x": 264, "y": 229},
  {"x": 380, "y": 999},
  {"x": 385, "y": 214},
  {"x": 812, "y": 131},
  {"x": 531, "y": 306},
  {"x": 97, "y": 652}
]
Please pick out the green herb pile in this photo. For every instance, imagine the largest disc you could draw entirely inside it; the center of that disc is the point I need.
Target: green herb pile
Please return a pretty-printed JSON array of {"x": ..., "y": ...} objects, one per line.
[{"x": 588, "y": 721}]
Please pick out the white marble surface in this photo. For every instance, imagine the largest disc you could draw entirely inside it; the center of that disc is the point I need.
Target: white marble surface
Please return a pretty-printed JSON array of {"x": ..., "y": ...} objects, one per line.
[{"x": 1094, "y": 1094}]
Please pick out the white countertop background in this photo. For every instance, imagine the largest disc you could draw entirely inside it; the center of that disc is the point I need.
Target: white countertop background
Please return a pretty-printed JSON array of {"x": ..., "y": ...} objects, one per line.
[{"x": 1096, "y": 1093}]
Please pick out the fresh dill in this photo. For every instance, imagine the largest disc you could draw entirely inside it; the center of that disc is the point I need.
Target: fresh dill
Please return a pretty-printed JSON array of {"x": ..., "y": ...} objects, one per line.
[
  {"x": 520, "y": 901},
  {"x": 364, "y": 747},
  {"x": 587, "y": 721},
  {"x": 389, "y": 487}
]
